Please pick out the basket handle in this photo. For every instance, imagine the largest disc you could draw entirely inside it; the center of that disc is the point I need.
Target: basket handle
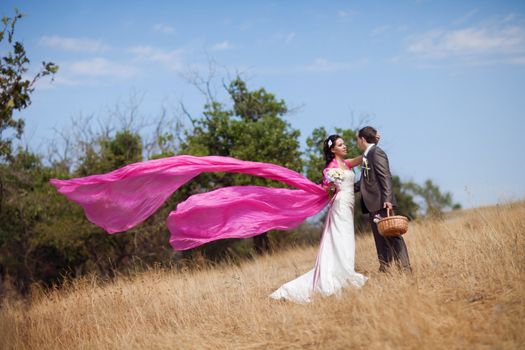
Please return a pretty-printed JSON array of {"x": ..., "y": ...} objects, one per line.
[{"x": 389, "y": 212}]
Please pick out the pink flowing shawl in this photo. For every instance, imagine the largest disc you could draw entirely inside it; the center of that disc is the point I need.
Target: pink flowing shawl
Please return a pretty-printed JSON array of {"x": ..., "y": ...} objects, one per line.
[{"x": 121, "y": 199}]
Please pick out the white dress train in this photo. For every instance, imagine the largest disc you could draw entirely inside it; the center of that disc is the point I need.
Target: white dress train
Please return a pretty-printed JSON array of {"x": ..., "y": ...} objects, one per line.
[{"x": 334, "y": 268}]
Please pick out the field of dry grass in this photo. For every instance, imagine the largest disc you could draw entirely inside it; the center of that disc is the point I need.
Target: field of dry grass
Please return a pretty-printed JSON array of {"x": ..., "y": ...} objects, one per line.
[{"x": 466, "y": 292}]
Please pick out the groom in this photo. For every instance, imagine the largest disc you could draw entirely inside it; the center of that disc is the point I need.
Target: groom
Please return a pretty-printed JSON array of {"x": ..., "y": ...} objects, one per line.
[{"x": 377, "y": 194}]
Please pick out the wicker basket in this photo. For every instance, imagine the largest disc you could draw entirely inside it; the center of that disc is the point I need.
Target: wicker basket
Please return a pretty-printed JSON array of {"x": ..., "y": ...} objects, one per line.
[{"x": 392, "y": 225}]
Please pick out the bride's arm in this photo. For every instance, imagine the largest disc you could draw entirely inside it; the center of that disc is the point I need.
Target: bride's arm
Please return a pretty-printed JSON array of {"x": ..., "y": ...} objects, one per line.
[
  {"x": 327, "y": 186},
  {"x": 355, "y": 161}
]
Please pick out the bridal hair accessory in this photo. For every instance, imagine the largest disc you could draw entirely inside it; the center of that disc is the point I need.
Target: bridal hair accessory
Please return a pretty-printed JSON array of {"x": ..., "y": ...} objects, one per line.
[
  {"x": 329, "y": 143},
  {"x": 392, "y": 225}
]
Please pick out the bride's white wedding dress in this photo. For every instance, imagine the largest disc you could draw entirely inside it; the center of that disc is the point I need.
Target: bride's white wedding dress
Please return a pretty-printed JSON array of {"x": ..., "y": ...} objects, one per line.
[{"x": 334, "y": 268}]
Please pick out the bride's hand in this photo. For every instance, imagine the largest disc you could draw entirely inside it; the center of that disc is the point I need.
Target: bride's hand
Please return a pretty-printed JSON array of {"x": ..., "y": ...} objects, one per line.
[{"x": 328, "y": 187}]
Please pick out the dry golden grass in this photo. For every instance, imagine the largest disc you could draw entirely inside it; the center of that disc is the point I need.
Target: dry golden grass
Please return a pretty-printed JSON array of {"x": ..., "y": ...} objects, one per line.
[{"x": 467, "y": 291}]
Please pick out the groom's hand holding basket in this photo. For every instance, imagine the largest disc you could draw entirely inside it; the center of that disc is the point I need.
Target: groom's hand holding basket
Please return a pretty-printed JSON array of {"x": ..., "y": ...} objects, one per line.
[{"x": 392, "y": 225}]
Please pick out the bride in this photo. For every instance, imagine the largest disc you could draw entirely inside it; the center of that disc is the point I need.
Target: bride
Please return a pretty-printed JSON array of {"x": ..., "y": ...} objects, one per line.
[{"x": 334, "y": 267}]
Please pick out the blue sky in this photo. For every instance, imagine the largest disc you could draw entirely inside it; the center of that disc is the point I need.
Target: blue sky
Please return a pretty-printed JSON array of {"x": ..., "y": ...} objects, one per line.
[{"x": 444, "y": 81}]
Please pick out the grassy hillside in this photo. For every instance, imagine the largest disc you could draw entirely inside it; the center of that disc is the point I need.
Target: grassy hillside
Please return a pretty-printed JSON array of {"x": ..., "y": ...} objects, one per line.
[{"x": 467, "y": 291}]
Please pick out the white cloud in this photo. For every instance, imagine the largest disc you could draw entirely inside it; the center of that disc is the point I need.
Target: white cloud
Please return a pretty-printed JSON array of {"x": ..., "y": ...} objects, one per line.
[
  {"x": 467, "y": 17},
  {"x": 73, "y": 44},
  {"x": 59, "y": 80},
  {"x": 510, "y": 17},
  {"x": 65, "y": 81},
  {"x": 497, "y": 39},
  {"x": 394, "y": 59},
  {"x": 324, "y": 65},
  {"x": 289, "y": 38},
  {"x": 102, "y": 67},
  {"x": 379, "y": 31},
  {"x": 163, "y": 28},
  {"x": 346, "y": 16},
  {"x": 517, "y": 60},
  {"x": 246, "y": 25},
  {"x": 225, "y": 45},
  {"x": 171, "y": 59}
]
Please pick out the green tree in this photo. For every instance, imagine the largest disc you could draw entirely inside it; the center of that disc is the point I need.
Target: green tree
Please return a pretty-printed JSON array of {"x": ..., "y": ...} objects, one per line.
[
  {"x": 105, "y": 154},
  {"x": 252, "y": 129},
  {"x": 45, "y": 238},
  {"x": 22, "y": 173},
  {"x": 434, "y": 201},
  {"x": 86, "y": 248},
  {"x": 406, "y": 204},
  {"x": 15, "y": 88},
  {"x": 23, "y": 207}
]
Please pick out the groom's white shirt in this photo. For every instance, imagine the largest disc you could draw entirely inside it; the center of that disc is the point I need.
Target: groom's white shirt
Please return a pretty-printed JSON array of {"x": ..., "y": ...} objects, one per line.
[{"x": 368, "y": 149}]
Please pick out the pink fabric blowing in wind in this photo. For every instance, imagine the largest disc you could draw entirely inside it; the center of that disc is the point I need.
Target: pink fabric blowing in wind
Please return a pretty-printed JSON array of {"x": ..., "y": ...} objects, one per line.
[{"x": 121, "y": 199}]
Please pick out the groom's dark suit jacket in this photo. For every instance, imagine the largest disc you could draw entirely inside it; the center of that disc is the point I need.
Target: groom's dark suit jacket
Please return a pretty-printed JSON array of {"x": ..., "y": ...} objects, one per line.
[{"x": 376, "y": 184}]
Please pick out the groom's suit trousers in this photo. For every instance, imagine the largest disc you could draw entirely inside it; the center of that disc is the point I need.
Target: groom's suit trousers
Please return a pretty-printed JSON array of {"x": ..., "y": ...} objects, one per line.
[{"x": 389, "y": 248}]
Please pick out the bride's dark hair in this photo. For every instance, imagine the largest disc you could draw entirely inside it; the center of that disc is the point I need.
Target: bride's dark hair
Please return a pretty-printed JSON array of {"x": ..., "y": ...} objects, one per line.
[{"x": 329, "y": 143}]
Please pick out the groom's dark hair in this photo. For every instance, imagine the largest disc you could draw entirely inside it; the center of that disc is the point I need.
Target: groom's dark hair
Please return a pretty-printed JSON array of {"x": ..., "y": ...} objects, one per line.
[{"x": 369, "y": 134}]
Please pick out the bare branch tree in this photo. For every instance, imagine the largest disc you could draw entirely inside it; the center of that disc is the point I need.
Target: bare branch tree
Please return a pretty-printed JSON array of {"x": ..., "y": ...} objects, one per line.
[
  {"x": 128, "y": 113},
  {"x": 166, "y": 136}
]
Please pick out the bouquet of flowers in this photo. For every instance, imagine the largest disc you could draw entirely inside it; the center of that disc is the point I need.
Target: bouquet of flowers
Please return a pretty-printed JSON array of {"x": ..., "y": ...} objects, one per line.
[{"x": 334, "y": 175}]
